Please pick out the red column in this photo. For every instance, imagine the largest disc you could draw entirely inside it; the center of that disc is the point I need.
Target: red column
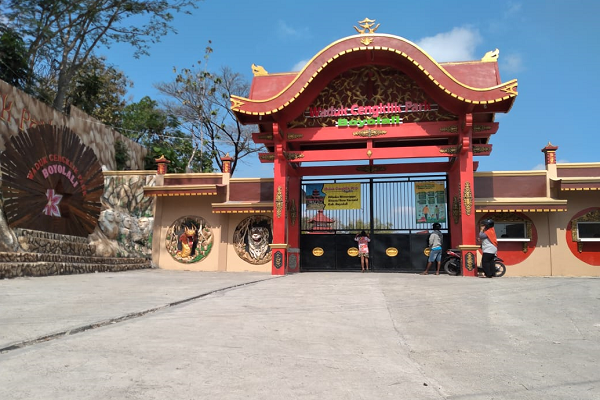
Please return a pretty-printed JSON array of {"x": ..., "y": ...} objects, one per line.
[
  {"x": 466, "y": 200},
  {"x": 280, "y": 191}
]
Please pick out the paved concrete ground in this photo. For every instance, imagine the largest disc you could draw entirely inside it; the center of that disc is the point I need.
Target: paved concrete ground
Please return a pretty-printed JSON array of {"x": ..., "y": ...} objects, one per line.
[{"x": 306, "y": 336}]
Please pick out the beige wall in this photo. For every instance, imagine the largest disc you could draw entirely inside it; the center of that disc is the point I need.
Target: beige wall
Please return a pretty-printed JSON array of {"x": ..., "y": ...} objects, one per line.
[
  {"x": 19, "y": 111},
  {"x": 222, "y": 256},
  {"x": 539, "y": 262},
  {"x": 564, "y": 263},
  {"x": 552, "y": 256}
]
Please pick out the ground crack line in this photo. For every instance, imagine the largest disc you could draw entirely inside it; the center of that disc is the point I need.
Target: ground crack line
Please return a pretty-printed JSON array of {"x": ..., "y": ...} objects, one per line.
[{"x": 126, "y": 317}]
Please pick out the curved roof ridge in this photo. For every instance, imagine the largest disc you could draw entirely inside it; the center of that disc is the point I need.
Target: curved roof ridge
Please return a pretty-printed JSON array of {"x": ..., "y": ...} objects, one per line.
[{"x": 420, "y": 56}]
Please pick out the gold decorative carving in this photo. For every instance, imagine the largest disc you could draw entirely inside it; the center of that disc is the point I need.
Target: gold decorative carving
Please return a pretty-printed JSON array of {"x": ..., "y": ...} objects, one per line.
[
  {"x": 481, "y": 128},
  {"x": 369, "y": 153},
  {"x": 318, "y": 252},
  {"x": 592, "y": 216},
  {"x": 491, "y": 56},
  {"x": 456, "y": 210},
  {"x": 510, "y": 89},
  {"x": 470, "y": 261},
  {"x": 366, "y": 41},
  {"x": 384, "y": 83},
  {"x": 294, "y": 136},
  {"x": 367, "y": 26},
  {"x": 369, "y": 133},
  {"x": 266, "y": 157},
  {"x": 266, "y": 136},
  {"x": 258, "y": 70},
  {"x": 481, "y": 149},
  {"x": 279, "y": 201},
  {"x": 450, "y": 150},
  {"x": 370, "y": 168},
  {"x": 236, "y": 104},
  {"x": 352, "y": 251},
  {"x": 451, "y": 129},
  {"x": 468, "y": 198},
  {"x": 292, "y": 156}
]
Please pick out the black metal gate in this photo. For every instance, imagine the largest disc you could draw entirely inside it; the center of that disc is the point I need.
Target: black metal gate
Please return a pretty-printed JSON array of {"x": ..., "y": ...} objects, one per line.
[{"x": 387, "y": 212}]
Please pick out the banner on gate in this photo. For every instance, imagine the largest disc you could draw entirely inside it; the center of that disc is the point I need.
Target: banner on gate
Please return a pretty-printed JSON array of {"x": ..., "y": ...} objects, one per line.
[{"x": 430, "y": 202}]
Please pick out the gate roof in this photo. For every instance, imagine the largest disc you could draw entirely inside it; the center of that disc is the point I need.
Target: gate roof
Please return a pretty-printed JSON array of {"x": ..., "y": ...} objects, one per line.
[{"x": 459, "y": 87}]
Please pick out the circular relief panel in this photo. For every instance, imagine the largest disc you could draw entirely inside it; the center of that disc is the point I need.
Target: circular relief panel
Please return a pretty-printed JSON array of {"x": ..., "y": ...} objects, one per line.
[
  {"x": 189, "y": 239},
  {"x": 252, "y": 237}
]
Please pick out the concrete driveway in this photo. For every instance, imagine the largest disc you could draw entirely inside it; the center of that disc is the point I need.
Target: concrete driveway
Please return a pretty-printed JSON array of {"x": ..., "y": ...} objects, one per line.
[{"x": 156, "y": 334}]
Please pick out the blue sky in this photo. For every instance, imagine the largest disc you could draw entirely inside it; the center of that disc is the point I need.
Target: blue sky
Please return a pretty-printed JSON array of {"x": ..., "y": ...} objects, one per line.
[{"x": 551, "y": 47}]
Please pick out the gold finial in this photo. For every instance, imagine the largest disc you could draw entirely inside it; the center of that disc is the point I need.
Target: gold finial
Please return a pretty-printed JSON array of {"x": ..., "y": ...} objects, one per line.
[
  {"x": 491, "y": 56},
  {"x": 257, "y": 70},
  {"x": 367, "y": 25}
]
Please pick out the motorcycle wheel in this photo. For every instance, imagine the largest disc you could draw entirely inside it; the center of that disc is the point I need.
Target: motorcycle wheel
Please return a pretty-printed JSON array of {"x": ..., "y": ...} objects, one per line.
[
  {"x": 452, "y": 267},
  {"x": 500, "y": 269}
]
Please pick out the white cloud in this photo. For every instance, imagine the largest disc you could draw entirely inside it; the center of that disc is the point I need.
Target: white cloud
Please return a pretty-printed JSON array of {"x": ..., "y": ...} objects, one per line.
[
  {"x": 457, "y": 45},
  {"x": 512, "y": 10},
  {"x": 287, "y": 31},
  {"x": 299, "y": 65},
  {"x": 543, "y": 166},
  {"x": 511, "y": 63}
]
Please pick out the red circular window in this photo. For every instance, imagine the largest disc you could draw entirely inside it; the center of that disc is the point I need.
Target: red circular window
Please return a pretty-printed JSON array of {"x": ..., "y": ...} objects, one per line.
[
  {"x": 588, "y": 252},
  {"x": 512, "y": 252}
]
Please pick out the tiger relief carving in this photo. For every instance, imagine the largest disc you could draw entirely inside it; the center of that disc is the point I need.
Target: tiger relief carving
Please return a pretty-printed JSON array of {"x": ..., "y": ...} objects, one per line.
[{"x": 251, "y": 239}]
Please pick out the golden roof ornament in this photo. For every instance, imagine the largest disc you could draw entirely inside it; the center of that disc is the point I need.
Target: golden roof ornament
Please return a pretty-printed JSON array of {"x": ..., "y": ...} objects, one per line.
[
  {"x": 367, "y": 28},
  {"x": 491, "y": 56},
  {"x": 258, "y": 70}
]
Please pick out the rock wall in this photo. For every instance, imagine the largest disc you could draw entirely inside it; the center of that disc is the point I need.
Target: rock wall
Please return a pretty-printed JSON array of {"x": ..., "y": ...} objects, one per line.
[
  {"x": 19, "y": 111},
  {"x": 125, "y": 223}
]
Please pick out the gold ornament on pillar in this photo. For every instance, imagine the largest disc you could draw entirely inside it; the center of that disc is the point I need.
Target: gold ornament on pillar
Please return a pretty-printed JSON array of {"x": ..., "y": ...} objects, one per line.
[
  {"x": 279, "y": 201},
  {"x": 468, "y": 198}
]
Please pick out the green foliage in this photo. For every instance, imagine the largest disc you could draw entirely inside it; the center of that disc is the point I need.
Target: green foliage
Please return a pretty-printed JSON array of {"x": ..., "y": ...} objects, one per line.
[
  {"x": 99, "y": 90},
  {"x": 61, "y": 35},
  {"x": 13, "y": 58},
  {"x": 145, "y": 123},
  {"x": 121, "y": 155},
  {"x": 359, "y": 225}
]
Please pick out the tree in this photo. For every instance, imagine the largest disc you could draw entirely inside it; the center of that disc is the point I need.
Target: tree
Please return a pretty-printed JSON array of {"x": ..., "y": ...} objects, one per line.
[
  {"x": 99, "y": 90},
  {"x": 62, "y": 35},
  {"x": 147, "y": 124},
  {"x": 359, "y": 225},
  {"x": 201, "y": 101},
  {"x": 13, "y": 58}
]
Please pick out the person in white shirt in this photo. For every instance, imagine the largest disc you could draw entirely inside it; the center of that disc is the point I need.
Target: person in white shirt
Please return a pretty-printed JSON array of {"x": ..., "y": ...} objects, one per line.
[{"x": 435, "y": 244}]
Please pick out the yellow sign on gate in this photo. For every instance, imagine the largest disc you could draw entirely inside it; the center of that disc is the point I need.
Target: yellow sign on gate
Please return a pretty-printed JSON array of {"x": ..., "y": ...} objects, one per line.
[{"x": 342, "y": 196}]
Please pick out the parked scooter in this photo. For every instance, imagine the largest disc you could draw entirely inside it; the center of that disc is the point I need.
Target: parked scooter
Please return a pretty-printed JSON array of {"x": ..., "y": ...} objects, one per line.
[{"x": 452, "y": 264}]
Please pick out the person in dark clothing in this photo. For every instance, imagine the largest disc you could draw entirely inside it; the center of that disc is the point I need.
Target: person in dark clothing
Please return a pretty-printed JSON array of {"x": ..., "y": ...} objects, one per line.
[{"x": 489, "y": 247}]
